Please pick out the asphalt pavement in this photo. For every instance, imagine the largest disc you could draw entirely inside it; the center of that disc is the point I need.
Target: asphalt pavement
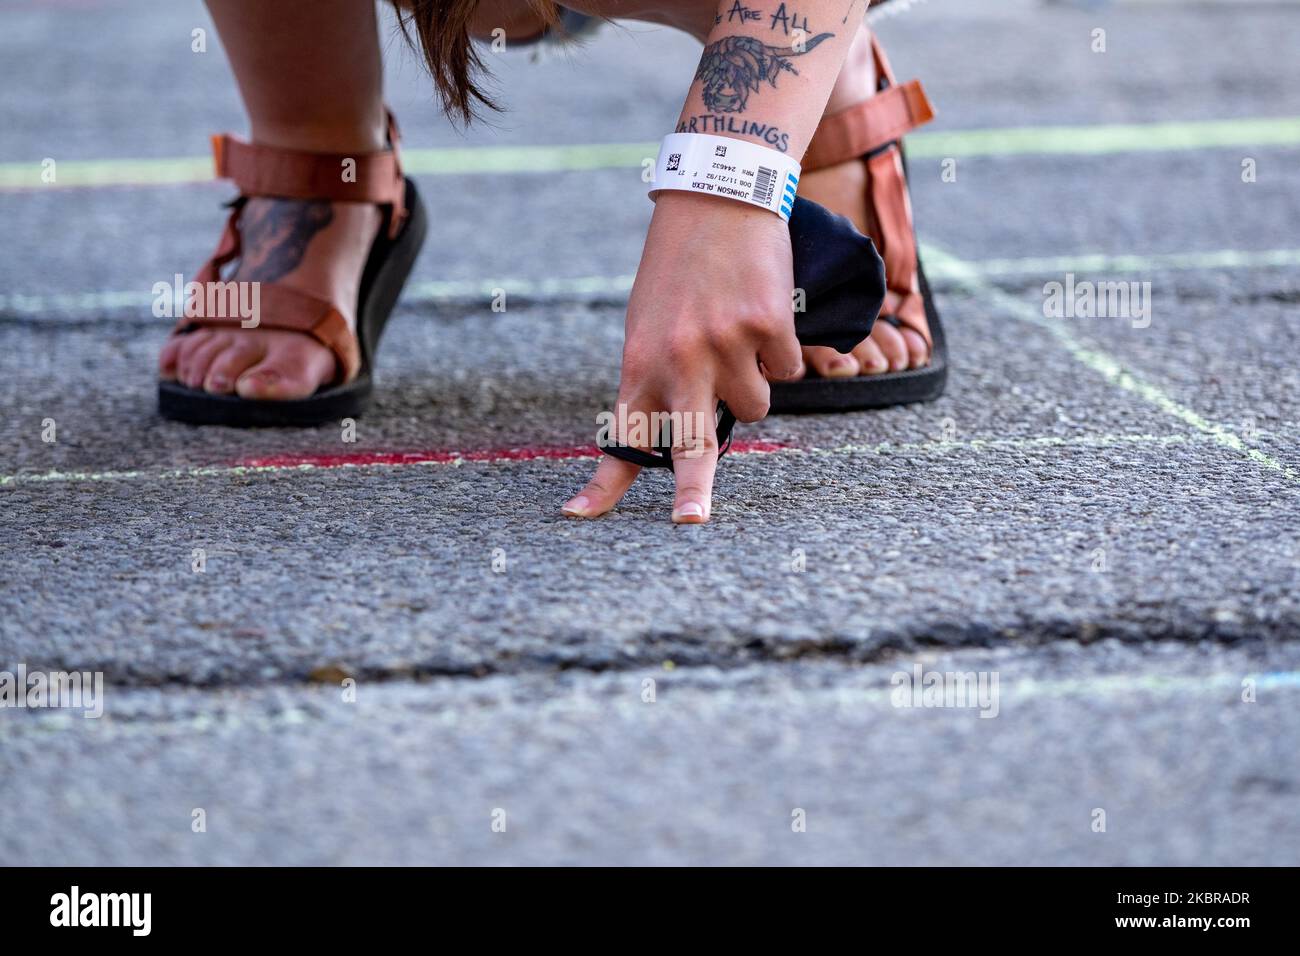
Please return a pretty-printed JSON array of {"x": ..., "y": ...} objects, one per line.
[{"x": 1102, "y": 512}]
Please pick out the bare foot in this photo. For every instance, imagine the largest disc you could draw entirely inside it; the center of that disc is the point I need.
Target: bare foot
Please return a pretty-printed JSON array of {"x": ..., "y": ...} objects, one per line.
[
  {"x": 843, "y": 189},
  {"x": 315, "y": 246}
]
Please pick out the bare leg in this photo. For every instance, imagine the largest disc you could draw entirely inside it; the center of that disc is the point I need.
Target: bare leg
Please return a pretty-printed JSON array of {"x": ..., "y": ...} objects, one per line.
[{"x": 310, "y": 76}]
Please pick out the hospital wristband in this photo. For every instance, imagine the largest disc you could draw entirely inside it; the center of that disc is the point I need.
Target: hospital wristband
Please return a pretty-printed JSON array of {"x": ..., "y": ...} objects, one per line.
[{"x": 732, "y": 168}]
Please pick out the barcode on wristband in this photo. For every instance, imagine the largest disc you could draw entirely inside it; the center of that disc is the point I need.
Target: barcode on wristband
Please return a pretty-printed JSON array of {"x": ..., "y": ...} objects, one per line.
[{"x": 764, "y": 183}]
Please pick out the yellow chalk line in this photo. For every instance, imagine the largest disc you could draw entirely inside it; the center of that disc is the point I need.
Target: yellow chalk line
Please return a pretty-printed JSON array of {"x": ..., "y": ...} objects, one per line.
[
  {"x": 1108, "y": 367},
  {"x": 1089, "y": 140}
]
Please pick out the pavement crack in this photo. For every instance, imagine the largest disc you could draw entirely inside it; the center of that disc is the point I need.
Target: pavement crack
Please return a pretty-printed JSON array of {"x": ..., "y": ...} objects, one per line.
[{"x": 671, "y": 649}]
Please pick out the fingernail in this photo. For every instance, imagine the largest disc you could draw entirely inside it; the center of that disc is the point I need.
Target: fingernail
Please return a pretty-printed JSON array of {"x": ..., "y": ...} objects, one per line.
[
  {"x": 690, "y": 509},
  {"x": 791, "y": 374},
  {"x": 576, "y": 506}
]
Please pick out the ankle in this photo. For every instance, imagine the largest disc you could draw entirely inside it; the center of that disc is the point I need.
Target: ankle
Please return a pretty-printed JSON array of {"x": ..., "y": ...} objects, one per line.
[
  {"x": 857, "y": 79},
  {"x": 331, "y": 136}
]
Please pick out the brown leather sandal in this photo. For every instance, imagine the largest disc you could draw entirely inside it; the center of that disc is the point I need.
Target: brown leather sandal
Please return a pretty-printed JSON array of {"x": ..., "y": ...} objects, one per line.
[
  {"x": 287, "y": 174},
  {"x": 871, "y": 131}
]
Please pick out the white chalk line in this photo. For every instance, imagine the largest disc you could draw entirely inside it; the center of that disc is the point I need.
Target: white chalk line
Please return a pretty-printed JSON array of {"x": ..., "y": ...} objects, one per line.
[{"x": 433, "y": 292}]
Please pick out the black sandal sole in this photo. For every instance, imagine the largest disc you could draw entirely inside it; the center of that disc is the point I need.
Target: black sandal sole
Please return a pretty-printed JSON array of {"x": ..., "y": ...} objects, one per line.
[
  {"x": 815, "y": 394},
  {"x": 387, "y": 268}
]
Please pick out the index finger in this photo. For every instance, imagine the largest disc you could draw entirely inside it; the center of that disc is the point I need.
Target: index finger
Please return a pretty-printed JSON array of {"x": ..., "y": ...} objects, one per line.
[{"x": 695, "y": 459}]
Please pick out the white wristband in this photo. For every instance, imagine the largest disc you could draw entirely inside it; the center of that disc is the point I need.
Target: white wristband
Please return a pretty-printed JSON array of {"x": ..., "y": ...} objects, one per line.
[{"x": 732, "y": 168}]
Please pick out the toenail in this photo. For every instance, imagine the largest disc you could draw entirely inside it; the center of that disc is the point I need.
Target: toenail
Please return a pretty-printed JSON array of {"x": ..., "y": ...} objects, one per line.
[
  {"x": 220, "y": 383},
  {"x": 840, "y": 366}
]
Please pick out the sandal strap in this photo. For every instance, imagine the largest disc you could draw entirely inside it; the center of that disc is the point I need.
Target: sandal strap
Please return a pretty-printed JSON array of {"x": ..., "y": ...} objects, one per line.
[
  {"x": 269, "y": 171},
  {"x": 870, "y": 131},
  {"x": 283, "y": 307},
  {"x": 895, "y": 109},
  {"x": 280, "y": 306},
  {"x": 908, "y": 310},
  {"x": 228, "y": 248},
  {"x": 868, "y": 126},
  {"x": 338, "y": 177},
  {"x": 895, "y": 238}
]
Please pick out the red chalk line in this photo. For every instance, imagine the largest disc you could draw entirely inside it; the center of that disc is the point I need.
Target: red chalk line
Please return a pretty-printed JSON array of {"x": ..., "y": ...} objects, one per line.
[{"x": 448, "y": 456}]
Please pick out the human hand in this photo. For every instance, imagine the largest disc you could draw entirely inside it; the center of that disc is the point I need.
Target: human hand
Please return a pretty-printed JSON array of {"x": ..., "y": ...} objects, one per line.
[{"x": 710, "y": 317}]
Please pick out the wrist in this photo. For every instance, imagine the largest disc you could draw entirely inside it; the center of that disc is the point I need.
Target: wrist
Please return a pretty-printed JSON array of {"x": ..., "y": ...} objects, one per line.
[
  {"x": 678, "y": 216},
  {"x": 708, "y": 224},
  {"x": 675, "y": 202},
  {"x": 736, "y": 170}
]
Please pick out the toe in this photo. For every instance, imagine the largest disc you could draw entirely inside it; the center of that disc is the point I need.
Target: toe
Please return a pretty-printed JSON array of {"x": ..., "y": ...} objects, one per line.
[
  {"x": 282, "y": 376},
  {"x": 232, "y": 363},
  {"x": 171, "y": 351},
  {"x": 891, "y": 344},
  {"x": 196, "y": 364},
  {"x": 918, "y": 353},
  {"x": 870, "y": 358},
  {"x": 829, "y": 363},
  {"x": 190, "y": 346}
]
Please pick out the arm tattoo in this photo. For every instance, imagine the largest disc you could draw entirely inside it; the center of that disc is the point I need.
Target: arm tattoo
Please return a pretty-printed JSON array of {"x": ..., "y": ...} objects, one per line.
[
  {"x": 736, "y": 66},
  {"x": 713, "y": 123},
  {"x": 275, "y": 236}
]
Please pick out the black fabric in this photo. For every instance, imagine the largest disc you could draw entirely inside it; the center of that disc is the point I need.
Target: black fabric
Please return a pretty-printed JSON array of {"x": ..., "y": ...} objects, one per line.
[
  {"x": 843, "y": 282},
  {"x": 842, "y": 275}
]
